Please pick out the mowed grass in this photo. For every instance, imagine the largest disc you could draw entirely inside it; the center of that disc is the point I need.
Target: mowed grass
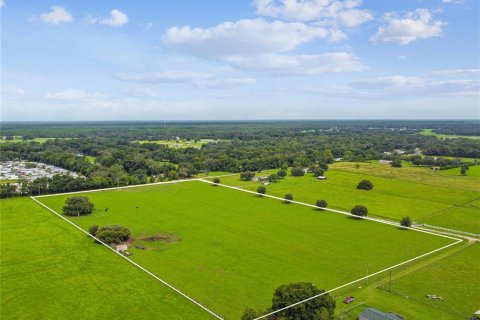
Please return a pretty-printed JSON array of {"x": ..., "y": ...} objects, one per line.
[
  {"x": 50, "y": 270},
  {"x": 179, "y": 144},
  {"x": 454, "y": 278},
  {"x": 473, "y": 171},
  {"x": 425, "y": 196},
  {"x": 231, "y": 249},
  {"x": 429, "y": 132},
  {"x": 451, "y": 274}
]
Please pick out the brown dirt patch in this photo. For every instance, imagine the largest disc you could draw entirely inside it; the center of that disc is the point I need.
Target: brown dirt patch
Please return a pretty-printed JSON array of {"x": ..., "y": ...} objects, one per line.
[{"x": 164, "y": 237}]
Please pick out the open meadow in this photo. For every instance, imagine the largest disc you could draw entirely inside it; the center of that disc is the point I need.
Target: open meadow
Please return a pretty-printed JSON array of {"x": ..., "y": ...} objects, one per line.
[
  {"x": 49, "y": 270},
  {"x": 179, "y": 144},
  {"x": 437, "y": 198},
  {"x": 429, "y": 132},
  {"x": 230, "y": 250},
  {"x": 448, "y": 275}
]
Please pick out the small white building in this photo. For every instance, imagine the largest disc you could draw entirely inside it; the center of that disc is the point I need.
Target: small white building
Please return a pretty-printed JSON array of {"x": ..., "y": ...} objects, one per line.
[
  {"x": 121, "y": 247},
  {"x": 322, "y": 178},
  {"x": 385, "y": 162}
]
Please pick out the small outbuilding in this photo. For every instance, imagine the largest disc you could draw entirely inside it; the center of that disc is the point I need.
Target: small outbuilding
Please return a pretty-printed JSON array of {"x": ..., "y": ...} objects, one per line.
[
  {"x": 385, "y": 161},
  {"x": 121, "y": 247},
  {"x": 374, "y": 314},
  {"x": 322, "y": 178}
]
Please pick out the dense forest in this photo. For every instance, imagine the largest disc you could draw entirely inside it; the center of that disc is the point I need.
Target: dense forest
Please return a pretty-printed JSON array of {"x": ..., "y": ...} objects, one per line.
[{"x": 238, "y": 146}]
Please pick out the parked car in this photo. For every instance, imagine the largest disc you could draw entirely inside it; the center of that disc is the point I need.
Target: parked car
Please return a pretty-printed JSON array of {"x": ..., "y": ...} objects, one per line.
[{"x": 348, "y": 300}]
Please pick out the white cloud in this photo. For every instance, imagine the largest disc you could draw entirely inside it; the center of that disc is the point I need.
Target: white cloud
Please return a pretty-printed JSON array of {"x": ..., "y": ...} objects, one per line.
[
  {"x": 284, "y": 64},
  {"x": 2, "y": 3},
  {"x": 454, "y": 1},
  {"x": 259, "y": 45},
  {"x": 328, "y": 12},
  {"x": 165, "y": 77},
  {"x": 244, "y": 37},
  {"x": 57, "y": 15},
  {"x": 413, "y": 26},
  {"x": 199, "y": 79},
  {"x": 72, "y": 95},
  {"x": 393, "y": 82},
  {"x": 417, "y": 85},
  {"x": 117, "y": 18},
  {"x": 473, "y": 72}
]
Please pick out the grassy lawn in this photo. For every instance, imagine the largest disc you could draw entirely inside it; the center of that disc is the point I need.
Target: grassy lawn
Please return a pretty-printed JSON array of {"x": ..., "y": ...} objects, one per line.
[
  {"x": 49, "y": 270},
  {"x": 179, "y": 143},
  {"x": 7, "y": 181},
  {"x": 429, "y": 132},
  {"x": 454, "y": 278},
  {"x": 230, "y": 249},
  {"x": 427, "y": 197},
  {"x": 450, "y": 274},
  {"x": 90, "y": 159},
  {"x": 473, "y": 171},
  {"x": 19, "y": 139}
]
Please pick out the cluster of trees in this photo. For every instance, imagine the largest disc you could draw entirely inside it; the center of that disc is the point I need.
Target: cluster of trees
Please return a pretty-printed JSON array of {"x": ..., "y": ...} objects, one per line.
[
  {"x": 320, "y": 308},
  {"x": 243, "y": 147},
  {"x": 441, "y": 162},
  {"x": 110, "y": 234},
  {"x": 365, "y": 185},
  {"x": 78, "y": 206},
  {"x": 359, "y": 211}
]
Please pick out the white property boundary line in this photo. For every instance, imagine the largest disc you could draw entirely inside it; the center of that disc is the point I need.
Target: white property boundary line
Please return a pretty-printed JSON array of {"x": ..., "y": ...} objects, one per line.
[
  {"x": 327, "y": 209},
  {"x": 130, "y": 186},
  {"x": 348, "y": 214},
  {"x": 132, "y": 262},
  {"x": 255, "y": 193}
]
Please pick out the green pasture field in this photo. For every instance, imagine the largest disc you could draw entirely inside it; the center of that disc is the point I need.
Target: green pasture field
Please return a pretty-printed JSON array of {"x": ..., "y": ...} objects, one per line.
[
  {"x": 473, "y": 171},
  {"x": 7, "y": 181},
  {"x": 19, "y": 139},
  {"x": 425, "y": 196},
  {"x": 230, "y": 250},
  {"x": 451, "y": 274},
  {"x": 454, "y": 278},
  {"x": 50, "y": 270},
  {"x": 429, "y": 132},
  {"x": 90, "y": 159},
  {"x": 180, "y": 143}
]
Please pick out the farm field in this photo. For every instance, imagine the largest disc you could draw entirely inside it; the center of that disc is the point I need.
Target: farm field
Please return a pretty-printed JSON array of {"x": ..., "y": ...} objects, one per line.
[
  {"x": 426, "y": 197},
  {"x": 230, "y": 250},
  {"x": 49, "y": 270},
  {"x": 473, "y": 171},
  {"x": 19, "y": 139},
  {"x": 454, "y": 278},
  {"x": 180, "y": 143},
  {"x": 429, "y": 132},
  {"x": 447, "y": 274}
]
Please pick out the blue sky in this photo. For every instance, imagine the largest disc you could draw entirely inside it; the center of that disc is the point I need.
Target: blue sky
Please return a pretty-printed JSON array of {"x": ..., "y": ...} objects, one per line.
[{"x": 240, "y": 60}]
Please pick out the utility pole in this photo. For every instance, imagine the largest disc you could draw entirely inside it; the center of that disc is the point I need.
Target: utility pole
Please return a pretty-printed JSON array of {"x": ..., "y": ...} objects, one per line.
[{"x": 390, "y": 282}]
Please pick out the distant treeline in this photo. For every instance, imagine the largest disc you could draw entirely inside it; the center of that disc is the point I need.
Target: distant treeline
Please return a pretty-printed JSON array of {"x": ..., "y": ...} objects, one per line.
[
  {"x": 242, "y": 147},
  {"x": 156, "y": 130}
]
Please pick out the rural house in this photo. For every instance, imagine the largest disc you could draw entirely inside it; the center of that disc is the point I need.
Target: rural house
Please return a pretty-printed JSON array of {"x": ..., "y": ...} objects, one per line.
[{"x": 374, "y": 314}]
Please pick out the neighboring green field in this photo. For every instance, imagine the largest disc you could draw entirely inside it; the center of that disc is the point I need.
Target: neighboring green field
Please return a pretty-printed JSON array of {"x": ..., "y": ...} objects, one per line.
[
  {"x": 429, "y": 132},
  {"x": 452, "y": 275},
  {"x": 425, "y": 196},
  {"x": 449, "y": 279},
  {"x": 230, "y": 249},
  {"x": 90, "y": 159},
  {"x": 179, "y": 143},
  {"x": 50, "y": 270},
  {"x": 19, "y": 139},
  {"x": 7, "y": 181},
  {"x": 473, "y": 171}
]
